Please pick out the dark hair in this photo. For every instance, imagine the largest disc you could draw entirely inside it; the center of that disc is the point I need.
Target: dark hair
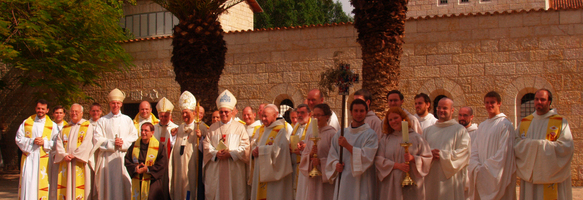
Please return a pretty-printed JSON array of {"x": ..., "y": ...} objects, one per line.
[
  {"x": 364, "y": 93},
  {"x": 494, "y": 95},
  {"x": 469, "y": 108},
  {"x": 549, "y": 92},
  {"x": 149, "y": 125},
  {"x": 425, "y": 97},
  {"x": 325, "y": 108},
  {"x": 95, "y": 104},
  {"x": 43, "y": 102},
  {"x": 401, "y": 97},
  {"x": 58, "y": 107},
  {"x": 358, "y": 101},
  {"x": 303, "y": 106}
]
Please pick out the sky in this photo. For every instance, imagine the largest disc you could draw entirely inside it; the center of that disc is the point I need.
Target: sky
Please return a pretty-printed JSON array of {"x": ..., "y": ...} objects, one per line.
[{"x": 346, "y": 7}]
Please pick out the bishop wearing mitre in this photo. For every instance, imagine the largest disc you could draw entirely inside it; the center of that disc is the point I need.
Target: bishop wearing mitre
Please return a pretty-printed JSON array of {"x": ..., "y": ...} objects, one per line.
[
  {"x": 226, "y": 153},
  {"x": 114, "y": 134},
  {"x": 163, "y": 130},
  {"x": 184, "y": 157}
]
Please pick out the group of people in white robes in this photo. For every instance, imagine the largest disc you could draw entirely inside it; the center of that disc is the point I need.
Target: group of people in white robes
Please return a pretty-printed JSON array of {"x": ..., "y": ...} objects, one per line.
[{"x": 115, "y": 157}]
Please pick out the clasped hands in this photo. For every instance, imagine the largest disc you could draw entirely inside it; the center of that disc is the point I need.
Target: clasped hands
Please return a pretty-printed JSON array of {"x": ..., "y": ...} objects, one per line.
[
  {"x": 39, "y": 141},
  {"x": 223, "y": 154},
  {"x": 141, "y": 168},
  {"x": 118, "y": 142},
  {"x": 404, "y": 166}
]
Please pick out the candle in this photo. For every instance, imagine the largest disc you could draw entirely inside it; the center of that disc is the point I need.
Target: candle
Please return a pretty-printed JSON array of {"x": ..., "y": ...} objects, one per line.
[
  {"x": 294, "y": 141},
  {"x": 405, "y": 131},
  {"x": 315, "y": 131}
]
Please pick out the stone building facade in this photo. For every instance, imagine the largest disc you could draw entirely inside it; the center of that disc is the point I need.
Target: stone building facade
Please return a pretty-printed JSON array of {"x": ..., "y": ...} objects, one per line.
[{"x": 459, "y": 56}]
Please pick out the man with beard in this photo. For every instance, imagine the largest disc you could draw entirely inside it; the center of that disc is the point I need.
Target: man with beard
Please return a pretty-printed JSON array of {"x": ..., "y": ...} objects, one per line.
[
  {"x": 422, "y": 106},
  {"x": 465, "y": 117},
  {"x": 544, "y": 151}
]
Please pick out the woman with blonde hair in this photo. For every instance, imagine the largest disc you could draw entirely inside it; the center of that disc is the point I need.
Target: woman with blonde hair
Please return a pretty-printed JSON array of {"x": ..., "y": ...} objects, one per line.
[{"x": 391, "y": 157}]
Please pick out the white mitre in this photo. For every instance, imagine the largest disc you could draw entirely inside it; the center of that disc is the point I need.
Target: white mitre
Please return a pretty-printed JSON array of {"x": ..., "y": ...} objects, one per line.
[
  {"x": 164, "y": 105},
  {"x": 187, "y": 101},
  {"x": 116, "y": 95},
  {"x": 226, "y": 100}
]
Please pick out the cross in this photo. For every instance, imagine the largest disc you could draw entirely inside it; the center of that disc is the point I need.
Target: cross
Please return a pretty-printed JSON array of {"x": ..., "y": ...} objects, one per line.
[{"x": 345, "y": 78}]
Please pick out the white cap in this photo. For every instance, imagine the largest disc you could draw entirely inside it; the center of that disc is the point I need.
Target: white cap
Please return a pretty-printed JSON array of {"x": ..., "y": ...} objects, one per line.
[
  {"x": 226, "y": 100},
  {"x": 164, "y": 105},
  {"x": 271, "y": 106},
  {"x": 116, "y": 95},
  {"x": 187, "y": 101}
]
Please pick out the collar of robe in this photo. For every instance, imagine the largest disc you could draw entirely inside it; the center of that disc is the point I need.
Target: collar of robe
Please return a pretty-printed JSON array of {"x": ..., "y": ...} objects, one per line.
[
  {"x": 36, "y": 119},
  {"x": 221, "y": 123},
  {"x": 546, "y": 115},
  {"x": 116, "y": 115},
  {"x": 275, "y": 123},
  {"x": 78, "y": 123},
  {"x": 360, "y": 129},
  {"x": 446, "y": 123},
  {"x": 498, "y": 116},
  {"x": 428, "y": 116},
  {"x": 472, "y": 127}
]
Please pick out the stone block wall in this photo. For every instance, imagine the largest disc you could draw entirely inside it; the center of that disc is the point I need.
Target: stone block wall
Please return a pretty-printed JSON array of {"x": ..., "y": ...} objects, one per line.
[
  {"x": 461, "y": 57},
  {"x": 420, "y": 8}
]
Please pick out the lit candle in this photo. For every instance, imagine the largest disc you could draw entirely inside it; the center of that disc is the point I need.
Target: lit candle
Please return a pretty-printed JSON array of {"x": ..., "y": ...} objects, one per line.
[
  {"x": 315, "y": 131},
  {"x": 405, "y": 131}
]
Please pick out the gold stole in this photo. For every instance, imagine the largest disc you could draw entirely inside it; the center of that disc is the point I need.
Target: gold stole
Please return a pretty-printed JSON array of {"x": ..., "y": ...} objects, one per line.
[
  {"x": 550, "y": 191},
  {"x": 262, "y": 189},
  {"x": 79, "y": 166},
  {"x": 299, "y": 157},
  {"x": 137, "y": 121},
  {"x": 141, "y": 191},
  {"x": 43, "y": 171}
]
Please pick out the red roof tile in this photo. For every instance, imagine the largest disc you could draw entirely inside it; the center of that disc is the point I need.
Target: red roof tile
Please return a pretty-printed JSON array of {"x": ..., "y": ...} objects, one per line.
[
  {"x": 410, "y": 18},
  {"x": 565, "y": 4}
]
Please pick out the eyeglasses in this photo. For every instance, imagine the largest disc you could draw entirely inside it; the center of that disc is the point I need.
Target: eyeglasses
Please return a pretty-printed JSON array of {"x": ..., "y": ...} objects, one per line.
[{"x": 224, "y": 112}]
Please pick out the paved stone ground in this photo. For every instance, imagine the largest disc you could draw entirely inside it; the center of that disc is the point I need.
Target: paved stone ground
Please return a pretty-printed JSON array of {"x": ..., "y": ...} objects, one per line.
[{"x": 9, "y": 187}]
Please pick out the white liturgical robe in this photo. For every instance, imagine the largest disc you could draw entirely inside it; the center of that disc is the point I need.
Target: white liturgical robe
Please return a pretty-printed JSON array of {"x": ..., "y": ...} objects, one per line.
[
  {"x": 273, "y": 166},
  {"x": 183, "y": 170},
  {"x": 29, "y": 175},
  {"x": 540, "y": 161},
  {"x": 319, "y": 187},
  {"x": 374, "y": 122},
  {"x": 358, "y": 178},
  {"x": 251, "y": 127},
  {"x": 447, "y": 176},
  {"x": 492, "y": 165},
  {"x": 426, "y": 121},
  {"x": 391, "y": 152},
  {"x": 334, "y": 121},
  {"x": 226, "y": 179},
  {"x": 472, "y": 130},
  {"x": 81, "y": 153},
  {"x": 112, "y": 180},
  {"x": 163, "y": 134}
]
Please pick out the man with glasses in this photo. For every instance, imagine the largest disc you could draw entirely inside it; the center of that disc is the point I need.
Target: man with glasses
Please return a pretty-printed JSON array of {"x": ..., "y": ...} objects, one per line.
[{"x": 299, "y": 133}]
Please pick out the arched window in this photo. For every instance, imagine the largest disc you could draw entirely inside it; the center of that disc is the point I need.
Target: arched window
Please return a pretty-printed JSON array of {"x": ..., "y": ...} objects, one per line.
[
  {"x": 435, "y": 101},
  {"x": 527, "y": 105}
]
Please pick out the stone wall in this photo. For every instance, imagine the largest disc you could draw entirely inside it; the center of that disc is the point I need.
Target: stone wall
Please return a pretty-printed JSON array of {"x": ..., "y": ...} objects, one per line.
[{"x": 420, "y": 8}]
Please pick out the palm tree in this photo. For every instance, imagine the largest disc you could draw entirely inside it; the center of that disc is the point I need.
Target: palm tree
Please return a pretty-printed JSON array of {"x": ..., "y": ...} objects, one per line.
[
  {"x": 380, "y": 25},
  {"x": 198, "y": 47}
]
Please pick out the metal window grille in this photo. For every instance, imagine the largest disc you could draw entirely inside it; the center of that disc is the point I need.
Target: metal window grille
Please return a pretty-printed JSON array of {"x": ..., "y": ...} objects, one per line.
[
  {"x": 285, "y": 105},
  {"x": 527, "y": 105},
  {"x": 149, "y": 24},
  {"x": 465, "y": 1},
  {"x": 442, "y": 1}
]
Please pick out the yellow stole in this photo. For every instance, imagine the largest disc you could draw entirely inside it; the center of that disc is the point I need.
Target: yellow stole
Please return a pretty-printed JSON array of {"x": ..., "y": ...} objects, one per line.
[
  {"x": 137, "y": 121},
  {"x": 302, "y": 138},
  {"x": 141, "y": 191},
  {"x": 79, "y": 166},
  {"x": 43, "y": 169},
  {"x": 262, "y": 189},
  {"x": 550, "y": 191}
]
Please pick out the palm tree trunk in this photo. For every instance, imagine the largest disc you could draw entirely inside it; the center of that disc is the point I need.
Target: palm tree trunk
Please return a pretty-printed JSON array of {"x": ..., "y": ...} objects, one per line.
[
  {"x": 380, "y": 25},
  {"x": 198, "y": 56}
]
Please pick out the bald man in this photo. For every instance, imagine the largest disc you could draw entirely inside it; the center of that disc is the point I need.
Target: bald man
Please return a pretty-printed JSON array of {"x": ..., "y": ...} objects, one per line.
[
  {"x": 145, "y": 115},
  {"x": 314, "y": 98},
  {"x": 450, "y": 144}
]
